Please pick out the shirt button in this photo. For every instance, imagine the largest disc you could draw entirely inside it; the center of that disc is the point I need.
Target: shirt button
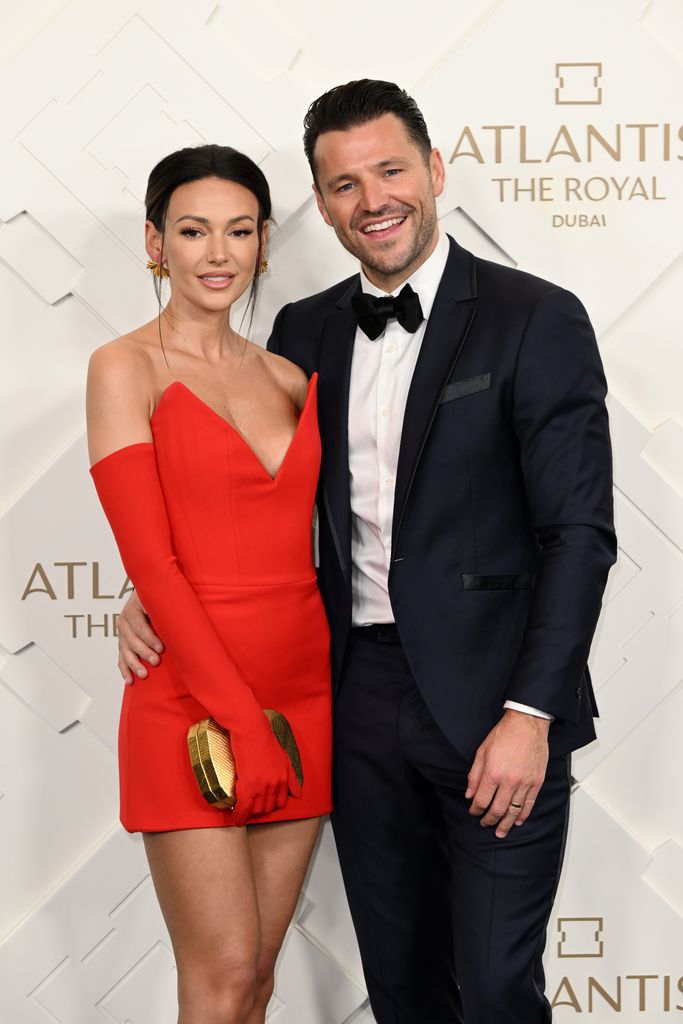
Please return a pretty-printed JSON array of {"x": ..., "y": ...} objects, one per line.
[
  {"x": 385, "y": 412},
  {"x": 391, "y": 348}
]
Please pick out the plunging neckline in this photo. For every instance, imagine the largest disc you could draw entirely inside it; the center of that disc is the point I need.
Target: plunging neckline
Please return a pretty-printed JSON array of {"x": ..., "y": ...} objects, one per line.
[{"x": 233, "y": 429}]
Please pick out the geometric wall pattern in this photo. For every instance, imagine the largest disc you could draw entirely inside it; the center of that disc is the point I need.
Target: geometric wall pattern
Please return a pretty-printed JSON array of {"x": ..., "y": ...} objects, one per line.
[{"x": 542, "y": 120}]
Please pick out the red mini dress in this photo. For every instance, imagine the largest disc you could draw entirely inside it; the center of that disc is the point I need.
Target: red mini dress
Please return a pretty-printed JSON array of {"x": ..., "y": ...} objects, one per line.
[{"x": 221, "y": 555}]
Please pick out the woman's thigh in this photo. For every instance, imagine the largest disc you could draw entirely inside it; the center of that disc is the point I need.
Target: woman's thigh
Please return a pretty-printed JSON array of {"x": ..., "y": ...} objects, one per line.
[
  {"x": 205, "y": 885},
  {"x": 280, "y": 854}
]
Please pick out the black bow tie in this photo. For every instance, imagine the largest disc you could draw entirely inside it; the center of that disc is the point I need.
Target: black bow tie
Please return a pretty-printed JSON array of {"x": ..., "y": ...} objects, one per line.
[{"x": 373, "y": 312}]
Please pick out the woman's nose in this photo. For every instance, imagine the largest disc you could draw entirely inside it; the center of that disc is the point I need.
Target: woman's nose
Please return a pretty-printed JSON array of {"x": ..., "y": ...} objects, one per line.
[{"x": 217, "y": 250}]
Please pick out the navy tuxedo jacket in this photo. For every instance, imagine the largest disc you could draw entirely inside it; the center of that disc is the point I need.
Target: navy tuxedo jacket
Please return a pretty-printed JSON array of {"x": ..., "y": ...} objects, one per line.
[{"x": 502, "y": 530}]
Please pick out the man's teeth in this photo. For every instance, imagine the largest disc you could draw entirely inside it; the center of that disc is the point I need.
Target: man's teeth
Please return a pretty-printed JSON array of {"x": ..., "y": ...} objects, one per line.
[{"x": 383, "y": 225}]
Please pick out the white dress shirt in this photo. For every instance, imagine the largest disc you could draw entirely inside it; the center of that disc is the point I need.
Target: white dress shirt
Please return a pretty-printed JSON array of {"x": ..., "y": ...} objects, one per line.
[{"x": 381, "y": 372}]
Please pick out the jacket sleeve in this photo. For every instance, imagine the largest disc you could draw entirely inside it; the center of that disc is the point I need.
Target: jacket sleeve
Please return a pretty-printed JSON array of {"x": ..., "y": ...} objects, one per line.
[
  {"x": 274, "y": 343},
  {"x": 128, "y": 486},
  {"x": 561, "y": 424}
]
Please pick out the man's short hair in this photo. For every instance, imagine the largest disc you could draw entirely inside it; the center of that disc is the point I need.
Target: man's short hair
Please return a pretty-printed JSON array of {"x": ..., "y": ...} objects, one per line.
[{"x": 355, "y": 103}]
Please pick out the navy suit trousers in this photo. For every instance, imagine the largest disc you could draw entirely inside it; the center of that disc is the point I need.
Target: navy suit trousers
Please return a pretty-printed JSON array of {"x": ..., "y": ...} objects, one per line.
[{"x": 450, "y": 920}]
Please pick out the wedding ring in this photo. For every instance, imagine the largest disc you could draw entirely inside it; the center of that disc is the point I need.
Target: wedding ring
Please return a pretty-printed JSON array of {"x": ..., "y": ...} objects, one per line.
[{"x": 516, "y": 806}]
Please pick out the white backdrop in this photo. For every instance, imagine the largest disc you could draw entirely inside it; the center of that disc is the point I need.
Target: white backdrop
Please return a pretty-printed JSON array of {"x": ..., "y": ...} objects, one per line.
[{"x": 561, "y": 126}]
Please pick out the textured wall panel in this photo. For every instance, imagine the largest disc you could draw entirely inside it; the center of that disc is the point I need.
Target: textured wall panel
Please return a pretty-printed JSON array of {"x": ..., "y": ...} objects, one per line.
[{"x": 97, "y": 97}]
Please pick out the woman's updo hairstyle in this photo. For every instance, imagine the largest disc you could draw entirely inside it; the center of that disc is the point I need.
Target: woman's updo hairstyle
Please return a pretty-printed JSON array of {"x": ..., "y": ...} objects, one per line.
[{"x": 192, "y": 164}]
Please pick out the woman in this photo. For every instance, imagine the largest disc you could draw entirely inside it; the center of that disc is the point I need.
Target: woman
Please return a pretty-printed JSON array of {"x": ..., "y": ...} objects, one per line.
[{"x": 205, "y": 454}]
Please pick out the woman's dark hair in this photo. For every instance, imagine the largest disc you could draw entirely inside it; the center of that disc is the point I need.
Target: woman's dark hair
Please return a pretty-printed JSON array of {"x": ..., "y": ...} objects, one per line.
[
  {"x": 192, "y": 164},
  {"x": 355, "y": 103}
]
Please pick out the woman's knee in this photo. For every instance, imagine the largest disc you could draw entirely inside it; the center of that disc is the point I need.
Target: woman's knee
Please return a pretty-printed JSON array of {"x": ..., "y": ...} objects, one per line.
[
  {"x": 265, "y": 978},
  {"x": 223, "y": 988}
]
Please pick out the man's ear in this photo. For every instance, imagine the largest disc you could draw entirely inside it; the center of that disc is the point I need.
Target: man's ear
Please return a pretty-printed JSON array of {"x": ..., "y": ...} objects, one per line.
[
  {"x": 321, "y": 205},
  {"x": 153, "y": 242},
  {"x": 437, "y": 171}
]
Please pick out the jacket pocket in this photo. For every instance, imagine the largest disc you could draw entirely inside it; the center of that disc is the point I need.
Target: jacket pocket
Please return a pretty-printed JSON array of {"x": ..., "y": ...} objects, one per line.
[
  {"x": 467, "y": 386},
  {"x": 504, "y": 581}
]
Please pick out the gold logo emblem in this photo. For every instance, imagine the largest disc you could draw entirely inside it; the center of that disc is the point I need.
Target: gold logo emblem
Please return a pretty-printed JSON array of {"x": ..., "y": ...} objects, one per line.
[
  {"x": 578, "y": 83},
  {"x": 580, "y": 936}
]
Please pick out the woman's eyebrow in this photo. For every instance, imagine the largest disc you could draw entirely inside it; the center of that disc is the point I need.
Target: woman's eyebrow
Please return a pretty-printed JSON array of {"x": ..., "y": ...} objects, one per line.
[{"x": 205, "y": 220}]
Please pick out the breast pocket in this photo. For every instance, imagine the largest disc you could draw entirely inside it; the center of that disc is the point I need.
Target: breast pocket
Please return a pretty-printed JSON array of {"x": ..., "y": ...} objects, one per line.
[{"x": 466, "y": 386}]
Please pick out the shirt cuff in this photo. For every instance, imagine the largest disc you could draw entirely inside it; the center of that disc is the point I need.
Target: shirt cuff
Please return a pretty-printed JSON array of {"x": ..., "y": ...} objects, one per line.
[{"x": 525, "y": 709}]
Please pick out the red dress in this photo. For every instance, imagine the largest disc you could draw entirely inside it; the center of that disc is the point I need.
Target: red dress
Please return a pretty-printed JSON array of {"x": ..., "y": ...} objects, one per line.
[{"x": 221, "y": 555}]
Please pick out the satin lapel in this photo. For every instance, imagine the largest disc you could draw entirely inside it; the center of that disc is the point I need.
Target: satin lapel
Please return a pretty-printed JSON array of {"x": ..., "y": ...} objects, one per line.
[
  {"x": 333, "y": 404},
  {"x": 449, "y": 324}
]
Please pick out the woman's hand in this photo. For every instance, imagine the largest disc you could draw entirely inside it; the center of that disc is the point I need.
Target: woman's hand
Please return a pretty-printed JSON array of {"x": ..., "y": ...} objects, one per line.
[{"x": 265, "y": 777}]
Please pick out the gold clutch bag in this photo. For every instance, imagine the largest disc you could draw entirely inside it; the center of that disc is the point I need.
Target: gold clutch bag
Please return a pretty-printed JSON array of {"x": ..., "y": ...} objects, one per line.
[{"x": 213, "y": 761}]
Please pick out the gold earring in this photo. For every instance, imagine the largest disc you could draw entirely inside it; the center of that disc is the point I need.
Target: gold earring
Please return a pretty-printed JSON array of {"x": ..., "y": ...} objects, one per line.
[
  {"x": 262, "y": 267},
  {"x": 158, "y": 269}
]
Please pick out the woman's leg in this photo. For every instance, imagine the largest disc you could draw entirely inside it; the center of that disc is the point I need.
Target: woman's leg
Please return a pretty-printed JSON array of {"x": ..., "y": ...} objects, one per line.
[
  {"x": 205, "y": 885},
  {"x": 280, "y": 853}
]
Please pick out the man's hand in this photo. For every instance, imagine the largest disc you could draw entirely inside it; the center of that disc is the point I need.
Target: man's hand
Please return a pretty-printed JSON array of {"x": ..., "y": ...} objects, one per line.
[
  {"x": 136, "y": 640},
  {"x": 508, "y": 771}
]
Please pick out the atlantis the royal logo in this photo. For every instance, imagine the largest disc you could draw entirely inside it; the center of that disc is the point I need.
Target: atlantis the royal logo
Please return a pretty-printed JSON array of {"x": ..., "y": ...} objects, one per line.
[
  {"x": 589, "y": 988},
  {"x": 603, "y": 166},
  {"x": 578, "y": 83},
  {"x": 580, "y": 936}
]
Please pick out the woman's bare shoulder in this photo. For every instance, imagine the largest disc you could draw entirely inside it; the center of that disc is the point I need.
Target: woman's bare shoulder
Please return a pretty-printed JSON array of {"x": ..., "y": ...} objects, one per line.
[
  {"x": 124, "y": 359},
  {"x": 119, "y": 396},
  {"x": 123, "y": 372},
  {"x": 290, "y": 377}
]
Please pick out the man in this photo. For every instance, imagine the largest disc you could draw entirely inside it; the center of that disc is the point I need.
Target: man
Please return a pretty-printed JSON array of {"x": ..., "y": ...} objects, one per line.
[{"x": 465, "y": 539}]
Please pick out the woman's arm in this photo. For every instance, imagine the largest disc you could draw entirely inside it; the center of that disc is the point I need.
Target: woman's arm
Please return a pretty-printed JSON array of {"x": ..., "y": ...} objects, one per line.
[{"x": 118, "y": 399}]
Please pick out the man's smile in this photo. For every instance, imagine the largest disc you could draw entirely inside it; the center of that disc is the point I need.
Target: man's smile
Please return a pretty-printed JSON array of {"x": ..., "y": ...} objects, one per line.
[{"x": 382, "y": 225}]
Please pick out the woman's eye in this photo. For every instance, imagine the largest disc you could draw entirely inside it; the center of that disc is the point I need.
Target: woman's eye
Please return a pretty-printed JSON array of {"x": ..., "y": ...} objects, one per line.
[
  {"x": 243, "y": 232},
  {"x": 190, "y": 232}
]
